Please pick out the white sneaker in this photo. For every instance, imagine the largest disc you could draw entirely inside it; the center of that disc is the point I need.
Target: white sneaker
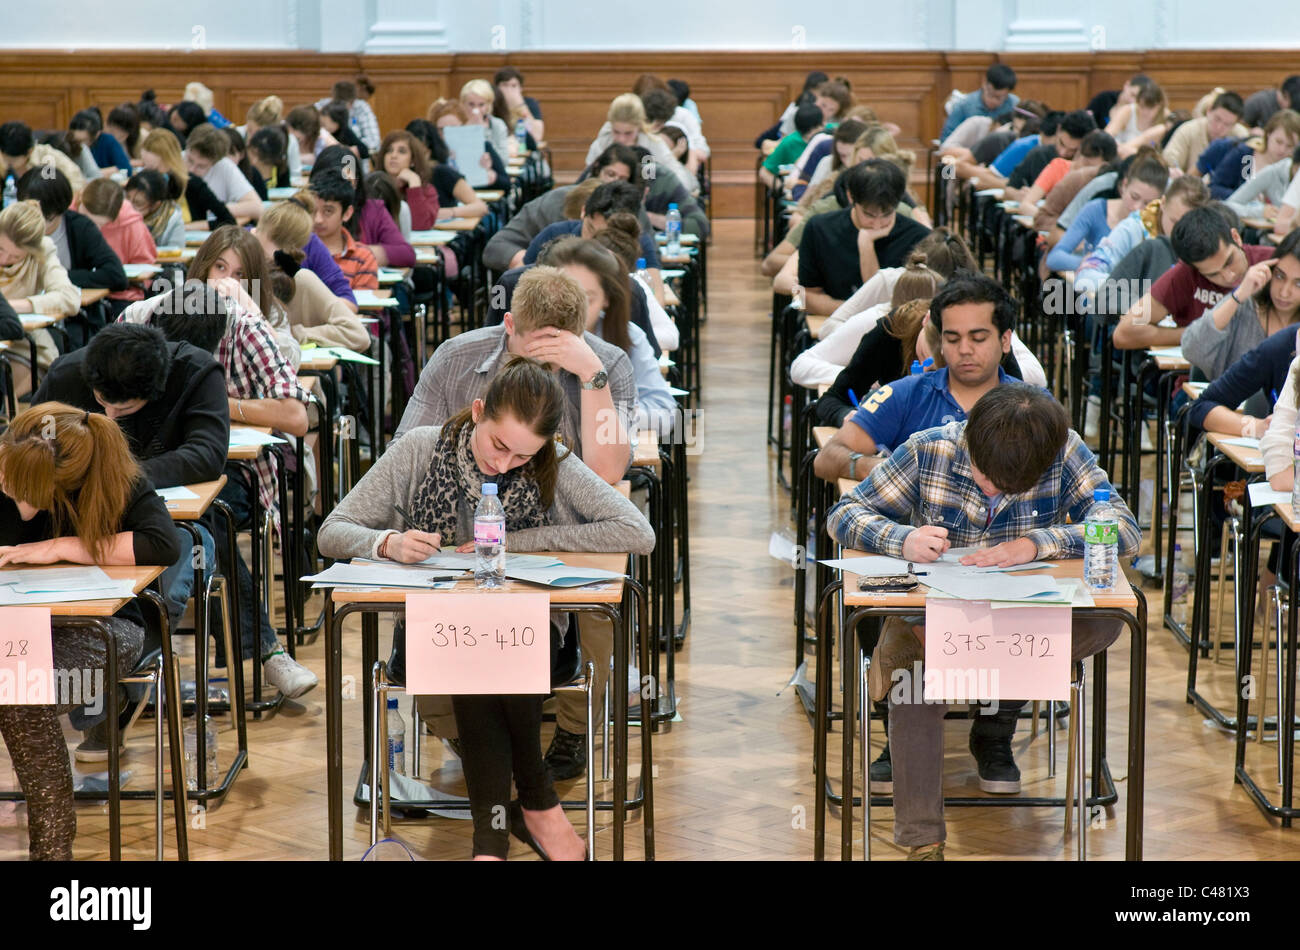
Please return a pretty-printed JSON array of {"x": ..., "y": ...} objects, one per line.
[
  {"x": 1147, "y": 444},
  {"x": 288, "y": 675},
  {"x": 1092, "y": 419}
]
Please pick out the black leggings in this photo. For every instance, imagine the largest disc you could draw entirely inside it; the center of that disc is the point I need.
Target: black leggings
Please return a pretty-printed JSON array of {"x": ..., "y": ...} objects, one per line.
[{"x": 500, "y": 737}]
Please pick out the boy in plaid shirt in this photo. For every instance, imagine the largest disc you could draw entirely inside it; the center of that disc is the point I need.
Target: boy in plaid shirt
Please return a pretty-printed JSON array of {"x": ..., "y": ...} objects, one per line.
[{"x": 1014, "y": 480}]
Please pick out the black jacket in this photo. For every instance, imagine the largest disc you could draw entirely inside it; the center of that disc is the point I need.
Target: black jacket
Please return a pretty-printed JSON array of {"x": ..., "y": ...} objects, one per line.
[
  {"x": 11, "y": 328},
  {"x": 93, "y": 262},
  {"x": 179, "y": 439},
  {"x": 201, "y": 200}
]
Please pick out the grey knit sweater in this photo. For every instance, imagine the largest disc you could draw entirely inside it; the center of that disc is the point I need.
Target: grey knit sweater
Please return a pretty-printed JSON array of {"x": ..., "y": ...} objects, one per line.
[{"x": 588, "y": 515}]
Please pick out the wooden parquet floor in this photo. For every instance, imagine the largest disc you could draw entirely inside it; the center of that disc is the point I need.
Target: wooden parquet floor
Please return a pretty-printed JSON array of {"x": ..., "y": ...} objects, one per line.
[{"x": 734, "y": 777}]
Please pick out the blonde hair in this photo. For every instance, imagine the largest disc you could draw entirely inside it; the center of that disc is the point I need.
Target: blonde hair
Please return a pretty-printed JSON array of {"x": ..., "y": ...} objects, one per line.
[
  {"x": 916, "y": 282},
  {"x": 266, "y": 112},
  {"x": 288, "y": 226},
  {"x": 163, "y": 144},
  {"x": 197, "y": 92},
  {"x": 548, "y": 297},
  {"x": 882, "y": 145},
  {"x": 627, "y": 108},
  {"x": 74, "y": 464},
  {"x": 478, "y": 87},
  {"x": 576, "y": 199},
  {"x": 23, "y": 223}
]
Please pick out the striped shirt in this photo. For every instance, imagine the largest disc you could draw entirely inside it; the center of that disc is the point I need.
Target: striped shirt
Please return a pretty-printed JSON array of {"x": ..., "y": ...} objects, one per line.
[
  {"x": 928, "y": 480},
  {"x": 357, "y": 263}
]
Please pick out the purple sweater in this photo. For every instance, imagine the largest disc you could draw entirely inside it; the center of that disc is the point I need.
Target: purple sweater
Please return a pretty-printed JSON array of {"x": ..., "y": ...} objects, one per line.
[
  {"x": 378, "y": 227},
  {"x": 321, "y": 263}
]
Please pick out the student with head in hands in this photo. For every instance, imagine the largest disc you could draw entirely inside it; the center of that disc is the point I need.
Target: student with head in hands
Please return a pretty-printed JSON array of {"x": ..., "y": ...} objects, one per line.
[
  {"x": 207, "y": 155},
  {"x": 552, "y": 501},
  {"x": 1013, "y": 480},
  {"x": 70, "y": 491}
]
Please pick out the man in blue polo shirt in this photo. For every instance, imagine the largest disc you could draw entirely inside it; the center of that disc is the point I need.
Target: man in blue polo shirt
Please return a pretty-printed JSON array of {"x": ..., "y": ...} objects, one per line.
[
  {"x": 974, "y": 316},
  {"x": 994, "y": 98}
]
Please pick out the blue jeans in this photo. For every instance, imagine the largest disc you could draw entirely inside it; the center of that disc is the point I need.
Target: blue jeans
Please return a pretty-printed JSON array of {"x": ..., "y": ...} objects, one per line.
[
  {"x": 178, "y": 580},
  {"x": 252, "y": 619}
]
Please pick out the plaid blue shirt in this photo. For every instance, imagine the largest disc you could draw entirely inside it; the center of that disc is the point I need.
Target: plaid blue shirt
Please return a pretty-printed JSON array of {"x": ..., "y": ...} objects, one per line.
[{"x": 928, "y": 481}]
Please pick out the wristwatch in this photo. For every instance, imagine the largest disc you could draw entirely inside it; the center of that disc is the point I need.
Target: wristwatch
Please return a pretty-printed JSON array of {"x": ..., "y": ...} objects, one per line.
[
  {"x": 853, "y": 464},
  {"x": 598, "y": 381}
]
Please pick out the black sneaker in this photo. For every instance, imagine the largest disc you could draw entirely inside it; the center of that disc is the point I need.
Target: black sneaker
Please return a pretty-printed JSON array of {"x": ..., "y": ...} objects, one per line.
[
  {"x": 881, "y": 774},
  {"x": 997, "y": 769},
  {"x": 567, "y": 756}
]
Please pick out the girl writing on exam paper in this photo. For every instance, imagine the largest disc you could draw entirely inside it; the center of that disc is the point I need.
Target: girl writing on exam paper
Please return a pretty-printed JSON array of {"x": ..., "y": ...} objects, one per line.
[
  {"x": 70, "y": 491},
  {"x": 552, "y": 501}
]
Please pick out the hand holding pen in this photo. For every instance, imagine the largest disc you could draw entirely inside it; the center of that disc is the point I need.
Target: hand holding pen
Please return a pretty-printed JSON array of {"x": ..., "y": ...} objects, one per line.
[{"x": 411, "y": 546}]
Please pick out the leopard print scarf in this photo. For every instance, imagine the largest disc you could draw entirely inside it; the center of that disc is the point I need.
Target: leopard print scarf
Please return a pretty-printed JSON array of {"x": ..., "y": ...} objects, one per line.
[{"x": 453, "y": 475}]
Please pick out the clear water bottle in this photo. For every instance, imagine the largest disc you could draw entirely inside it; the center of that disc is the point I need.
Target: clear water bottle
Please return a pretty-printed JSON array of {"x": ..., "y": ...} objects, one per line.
[
  {"x": 673, "y": 230},
  {"x": 797, "y": 299},
  {"x": 192, "y": 754},
  {"x": 1295, "y": 486},
  {"x": 787, "y": 415},
  {"x": 521, "y": 135},
  {"x": 489, "y": 539},
  {"x": 396, "y": 739},
  {"x": 1181, "y": 585},
  {"x": 1101, "y": 570},
  {"x": 640, "y": 271},
  {"x": 11, "y": 191}
]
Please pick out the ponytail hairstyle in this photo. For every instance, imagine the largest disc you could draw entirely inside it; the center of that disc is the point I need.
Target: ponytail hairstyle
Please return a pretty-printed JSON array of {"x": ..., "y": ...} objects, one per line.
[
  {"x": 150, "y": 112},
  {"x": 1148, "y": 167},
  {"x": 945, "y": 253},
  {"x": 157, "y": 186},
  {"x": 266, "y": 112},
  {"x": 916, "y": 281},
  {"x": 528, "y": 391},
  {"x": 74, "y": 464},
  {"x": 597, "y": 257},
  {"x": 287, "y": 225},
  {"x": 904, "y": 323}
]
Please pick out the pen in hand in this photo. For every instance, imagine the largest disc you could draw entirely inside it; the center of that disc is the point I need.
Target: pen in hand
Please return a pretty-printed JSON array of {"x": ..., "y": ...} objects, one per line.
[{"x": 406, "y": 518}]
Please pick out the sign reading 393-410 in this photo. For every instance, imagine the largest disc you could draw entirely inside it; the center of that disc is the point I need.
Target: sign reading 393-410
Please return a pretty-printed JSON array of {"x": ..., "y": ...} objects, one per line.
[{"x": 497, "y": 642}]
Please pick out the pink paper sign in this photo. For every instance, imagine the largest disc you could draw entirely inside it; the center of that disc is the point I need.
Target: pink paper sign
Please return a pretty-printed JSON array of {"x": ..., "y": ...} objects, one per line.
[
  {"x": 26, "y": 657},
  {"x": 973, "y": 652},
  {"x": 459, "y": 643}
]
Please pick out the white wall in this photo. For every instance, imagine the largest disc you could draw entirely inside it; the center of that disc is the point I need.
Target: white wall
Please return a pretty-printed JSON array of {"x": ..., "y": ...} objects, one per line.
[{"x": 377, "y": 26}]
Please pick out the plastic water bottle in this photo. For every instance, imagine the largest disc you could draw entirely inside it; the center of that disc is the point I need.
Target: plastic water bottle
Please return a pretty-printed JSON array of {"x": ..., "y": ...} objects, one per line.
[
  {"x": 797, "y": 298},
  {"x": 1101, "y": 569},
  {"x": 489, "y": 539},
  {"x": 1295, "y": 486},
  {"x": 641, "y": 275},
  {"x": 1181, "y": 585},
  {"x": 11, "y": 191},
  {"x": 396, "y": 739},
  {"x": 673, "y": 230},
  {"x": 191, "y": 737},
  {"x": 521, "y": 135}
]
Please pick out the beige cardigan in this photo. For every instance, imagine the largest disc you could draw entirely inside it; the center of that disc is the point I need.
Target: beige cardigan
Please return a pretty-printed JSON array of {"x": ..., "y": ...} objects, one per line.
[
  {"x": 316, "y": 315},
  {"x": 57, "y": 296}
]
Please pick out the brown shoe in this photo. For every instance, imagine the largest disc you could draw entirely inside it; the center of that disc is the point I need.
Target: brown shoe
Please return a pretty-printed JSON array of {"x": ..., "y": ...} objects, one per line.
[
  {"x": 897, "y": 648},
  {"x": 926, "y": 852}
]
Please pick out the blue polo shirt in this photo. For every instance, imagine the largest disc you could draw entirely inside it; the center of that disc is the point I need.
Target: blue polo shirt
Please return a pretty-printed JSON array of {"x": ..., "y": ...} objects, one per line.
[
  {"x": 894, "y": 413},
  {"x": 1006, "y": 163}
]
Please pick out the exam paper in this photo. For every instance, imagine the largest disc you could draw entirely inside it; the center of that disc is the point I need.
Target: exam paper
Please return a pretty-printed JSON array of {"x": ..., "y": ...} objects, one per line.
[
  {"x": 346, "y": 355},
  {"x": 176, "y": 493},
  {"x": 468, "y": 562},
  {"x": 242, "y": 436},
  {"x": 28, "y": 580},
  {"x": 563, "y": 575},
  {"x": 1242, "y": 441},
  {"x": 1036, "y": 588},
  {"x": 1261, "y": 494},
  {"x": 113, "y": 590},
  {"x": 363, "y": 573}
]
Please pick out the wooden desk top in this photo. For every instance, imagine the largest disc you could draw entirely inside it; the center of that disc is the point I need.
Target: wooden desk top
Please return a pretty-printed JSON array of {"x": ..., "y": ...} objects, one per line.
[
  {"x": 846, "y": 485},
  {"x": 1284, "y": 512},
  {"x": 1261, "y": 224},
  {"x": 490, "y": 194},
  {"x": 191, "y": 509},
  {"x": 682, "y": 258},
  {"x": 141, "y": 577},
  {"x": 1244, "y": 457},
  {"x": 1171, "y": 364},
  {"x": 647, "y": 449},
  {"x": 458, "y": 224},
  {"x": 823, "y": 434},
  {"x": 1194, "y": 390},
  {"x": 606, "y": 592},
  {"x": 1123, "y": 598},
  {"x": 93, "y": 295},
  {"x": 314, "y": 361},
  {"x": 374, "y": 299},
  {"x": 427, "y": 254},
  {"x": 246, "y": 453},
  {"x": 815, "y": 324},
  {"x": 39, "y": 321}
]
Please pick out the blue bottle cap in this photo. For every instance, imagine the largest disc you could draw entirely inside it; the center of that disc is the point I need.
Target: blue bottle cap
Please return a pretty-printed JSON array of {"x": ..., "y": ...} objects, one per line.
[
  {"x": 392, "y": 704},
  {"x": 916, "y": 368},
  {"x": 1101, "y": 494},
  {"x": 672, "y": 206},
  {"x": 489, "y": 488},
  {"x": 640, "y": 263}
]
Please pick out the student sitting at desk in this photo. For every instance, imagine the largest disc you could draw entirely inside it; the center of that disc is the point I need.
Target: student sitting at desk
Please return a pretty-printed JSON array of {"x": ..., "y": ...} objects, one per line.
[
  {"x": 104, "y": 202},
  {"x": 456, "y": 196},
  {"x": 1212, "y": 261},
  {"x": 261, "y": 390},
  {"x": 315, "y": 314},
  {"x": 1251, "y": 382},
  {"x": 1011, "y": 479},
  {"x": 87, "y": 130},
  {"x": 159, "y": 152},
  {"x": 207, "y": 155},
  {"x": 552, "y": 502},
  {"x": 406, "y": 159},
  {"x": 19, "y": 152},
  {"x": 72, "y": 493},
  {"x": 34, "y": 281},
  {"x": 155, "y": 195},
  {"x": 370, "y": 223},
  {"x": 333, "y": 207},
  {"x": 266, "y": 156},
  {"x": 169, "y": 400}
]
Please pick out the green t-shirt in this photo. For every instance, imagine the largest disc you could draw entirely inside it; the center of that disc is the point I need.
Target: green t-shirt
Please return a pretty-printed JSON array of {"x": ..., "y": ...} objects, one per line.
[{"x": 785, "y": 153}]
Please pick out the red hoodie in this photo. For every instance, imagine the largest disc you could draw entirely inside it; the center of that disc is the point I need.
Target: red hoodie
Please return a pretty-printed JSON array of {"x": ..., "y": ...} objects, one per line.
[{"x": 131, "y": 241}]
